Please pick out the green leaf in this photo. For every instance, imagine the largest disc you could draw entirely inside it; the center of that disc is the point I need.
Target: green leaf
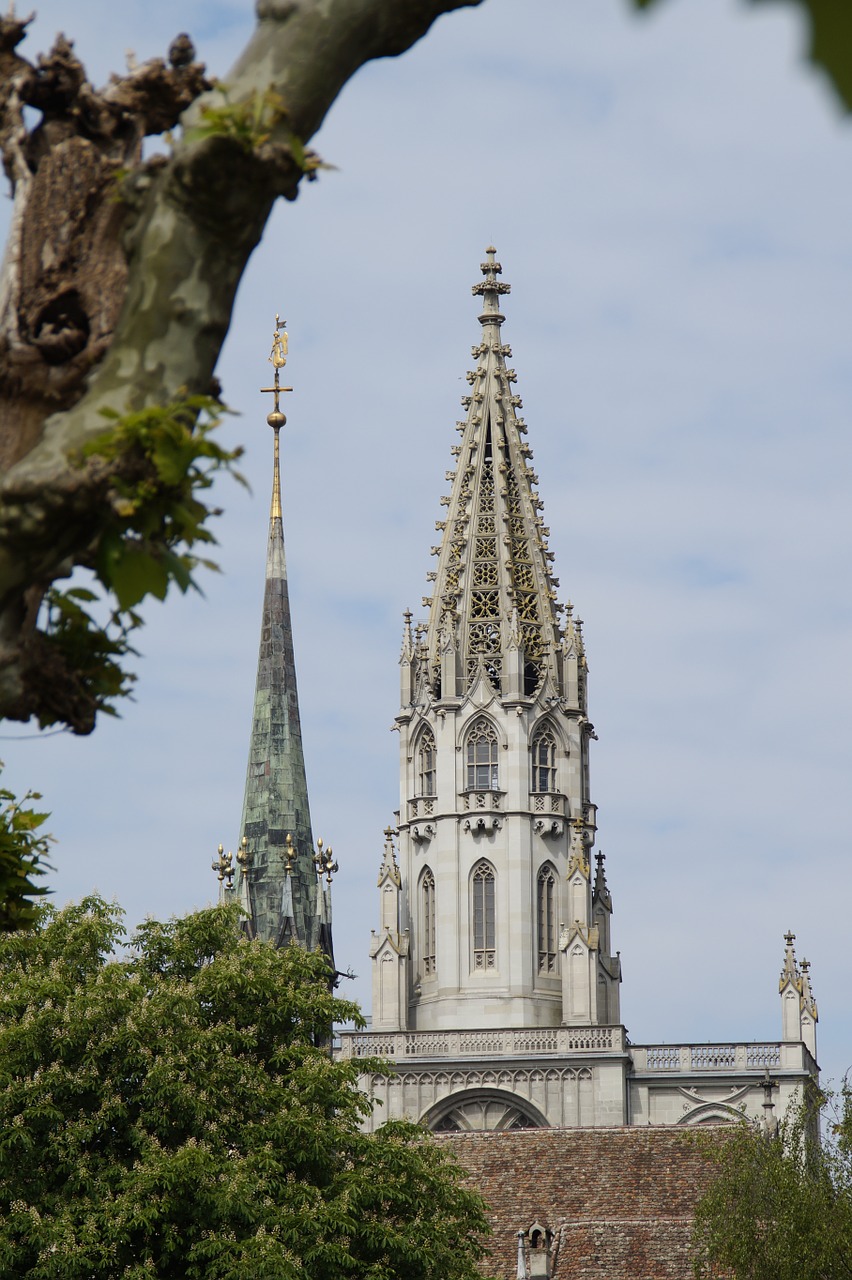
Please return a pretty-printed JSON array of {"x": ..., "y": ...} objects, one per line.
[{"x": 137, "y": 574}]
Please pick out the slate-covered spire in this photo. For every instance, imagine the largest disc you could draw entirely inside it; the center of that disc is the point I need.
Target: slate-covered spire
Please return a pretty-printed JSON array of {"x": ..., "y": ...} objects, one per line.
[
  {"x": 277, "y": 879},
  {"x": 493, "y": 588}
]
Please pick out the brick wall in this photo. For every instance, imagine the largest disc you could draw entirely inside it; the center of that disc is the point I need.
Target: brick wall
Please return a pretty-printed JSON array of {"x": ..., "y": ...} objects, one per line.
[{"x": 619, "y": 1201}]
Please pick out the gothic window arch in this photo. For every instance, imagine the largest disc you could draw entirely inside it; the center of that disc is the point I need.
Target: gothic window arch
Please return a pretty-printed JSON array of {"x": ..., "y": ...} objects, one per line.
[
  {"x": 428, "y": 929},
  {"x": 481, "y": 757},
  {"x": 543, "y": 760},
  {"x": 483, "y": 916},
  {"x": 426, "y": 764},
  {"x": 546, "y": 929}
]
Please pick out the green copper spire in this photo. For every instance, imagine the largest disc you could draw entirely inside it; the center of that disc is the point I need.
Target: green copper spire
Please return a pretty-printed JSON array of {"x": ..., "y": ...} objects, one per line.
[{"x": 276, "y": 878}]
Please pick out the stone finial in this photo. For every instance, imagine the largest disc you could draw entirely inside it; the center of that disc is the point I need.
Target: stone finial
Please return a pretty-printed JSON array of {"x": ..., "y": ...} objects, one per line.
[
  {"x": 490, "y": 289},
  {"x": 808, "y": 1002},
  {"x": 407, "y": 637},
  {"x": 389, "y": 868},
  {"x": 790, "y": 969}
]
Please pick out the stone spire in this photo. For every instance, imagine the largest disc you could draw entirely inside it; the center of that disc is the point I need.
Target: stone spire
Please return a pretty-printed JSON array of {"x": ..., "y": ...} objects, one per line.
[
  {"x": 799, "y": 1014},
  {"x": 276, "y": 880},
  {"x": 493, "y": 591}
]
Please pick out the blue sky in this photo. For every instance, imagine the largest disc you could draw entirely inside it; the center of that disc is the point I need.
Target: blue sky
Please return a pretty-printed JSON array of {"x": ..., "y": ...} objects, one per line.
[{"x": 671, "y": 200}]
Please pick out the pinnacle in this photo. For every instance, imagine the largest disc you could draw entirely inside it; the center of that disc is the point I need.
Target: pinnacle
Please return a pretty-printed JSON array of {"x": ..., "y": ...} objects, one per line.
[{"x": 493, "y": 574}]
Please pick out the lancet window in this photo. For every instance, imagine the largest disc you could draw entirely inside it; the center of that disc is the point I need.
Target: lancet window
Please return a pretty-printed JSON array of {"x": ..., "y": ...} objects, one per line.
[
  {"x": 481, "y": 755},
  {"x": 427, "y": 922},
  {"x": 426, "y": 765},
  {"x": 547, "y": 919},
  {"x": 543, "y": 759},
  {"x": 483, "y": 916}
]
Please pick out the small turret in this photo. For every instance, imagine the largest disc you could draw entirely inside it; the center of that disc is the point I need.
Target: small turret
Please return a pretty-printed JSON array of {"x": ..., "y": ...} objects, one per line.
[
  {"x": 389, "y": 948},
  {"x": 798, "y": 1007}
]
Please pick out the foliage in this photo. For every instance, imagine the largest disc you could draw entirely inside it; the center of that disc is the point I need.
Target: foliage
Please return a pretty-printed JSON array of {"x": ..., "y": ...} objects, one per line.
[
  {"x": 88, "y": 649},
  {"x": 168, "y": 458},
  {"x": 160, "y": 459},
  {"x": 830, "y": 26},
  {"x": 781, "y": 1208},
  {"x": 251, "y": 123},
  {"x": 173, "y": 1113},
  {"x": 23, "y": 853}
]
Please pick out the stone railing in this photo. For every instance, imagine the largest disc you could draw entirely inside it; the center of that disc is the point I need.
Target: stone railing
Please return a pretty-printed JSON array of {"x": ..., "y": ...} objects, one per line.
[
  {"x": 706, "y": 1057},
  {"x": 510, "y": 1042}
]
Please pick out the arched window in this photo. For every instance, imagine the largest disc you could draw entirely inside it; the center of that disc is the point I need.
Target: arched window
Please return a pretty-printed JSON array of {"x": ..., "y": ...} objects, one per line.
[
  {"x": 483, "y": 916},
  {"x": 543, "y": 758},
  {"x": 426, "y": 765},
  {"x": 427, "y": 922},
  {"x": 547, "y": 919},
  {"x": 482, "y": 773}
]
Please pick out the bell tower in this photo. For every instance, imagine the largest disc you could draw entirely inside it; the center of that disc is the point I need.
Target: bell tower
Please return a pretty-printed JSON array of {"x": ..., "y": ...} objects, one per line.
[{"x": 505, "y": 925}]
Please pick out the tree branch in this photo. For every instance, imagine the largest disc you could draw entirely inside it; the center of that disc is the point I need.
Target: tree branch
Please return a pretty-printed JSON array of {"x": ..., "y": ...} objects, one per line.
[{"x": 188, "y": 227}]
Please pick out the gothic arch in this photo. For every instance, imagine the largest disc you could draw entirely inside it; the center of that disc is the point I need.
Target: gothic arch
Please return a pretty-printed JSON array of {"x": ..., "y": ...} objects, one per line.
[
  {"x": 482, "y": 896},
  {"x": 480, "y": 743},
  {"x": 474, "y": 1110},
  {"x": 546, "y": 747},
  {"x": 547, "y": 919},
  {"x": 427, "y": 922},
  {"x": 547, "y": 721},
  {"x": 425, "y": 757},
  {"x": 479, "y": 716},
  {"x": 713, "y": 1113}
]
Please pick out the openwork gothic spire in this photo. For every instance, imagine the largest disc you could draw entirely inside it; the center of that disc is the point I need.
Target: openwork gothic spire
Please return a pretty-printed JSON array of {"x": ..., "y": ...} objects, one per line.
[
  {"x": 276, "y": 881},
  {"x": 493, "y": 600}
]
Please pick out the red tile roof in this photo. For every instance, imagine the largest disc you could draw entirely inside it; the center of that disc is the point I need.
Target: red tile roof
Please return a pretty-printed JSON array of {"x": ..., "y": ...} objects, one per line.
[{"x": 618, "y": 1201}]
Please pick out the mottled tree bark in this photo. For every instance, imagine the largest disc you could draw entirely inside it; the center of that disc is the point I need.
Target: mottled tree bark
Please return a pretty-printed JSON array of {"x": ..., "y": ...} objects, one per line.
[{"x": 117, "y": 289}]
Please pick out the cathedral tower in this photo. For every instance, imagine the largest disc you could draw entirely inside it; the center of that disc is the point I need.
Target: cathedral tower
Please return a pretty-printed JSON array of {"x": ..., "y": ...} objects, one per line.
[
  {"x": 495, "y": 985},
  {"x": 506, "y": 924}
]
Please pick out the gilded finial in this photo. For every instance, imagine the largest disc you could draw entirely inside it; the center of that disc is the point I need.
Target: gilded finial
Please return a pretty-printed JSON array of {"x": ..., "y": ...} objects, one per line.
[
  {"x": 276, "y": 419},
  {"x": 280, "y": 344},
  {"x": 290, "y": 851},
  {"x": 243, "y": 855},
  {"x": 324, "y": 861},
  {"x": 278, "y": 359},
  {"x": 223, "y": 865}
]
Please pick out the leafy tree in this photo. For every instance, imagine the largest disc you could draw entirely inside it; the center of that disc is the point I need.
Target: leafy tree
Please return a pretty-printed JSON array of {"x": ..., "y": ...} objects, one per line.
[
  {"x": 173, "y": 1113},
  {"x": 23, "y": 858},
  {"x": 781, "y": 1207}
]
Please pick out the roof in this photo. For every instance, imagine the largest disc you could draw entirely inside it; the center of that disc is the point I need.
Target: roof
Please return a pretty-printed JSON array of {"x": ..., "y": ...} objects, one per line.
[{"x": 619, "y": 1202}]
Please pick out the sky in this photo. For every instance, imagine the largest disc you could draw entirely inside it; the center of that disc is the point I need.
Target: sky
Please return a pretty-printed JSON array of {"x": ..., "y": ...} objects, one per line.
[{"x": 671, "y": 199}]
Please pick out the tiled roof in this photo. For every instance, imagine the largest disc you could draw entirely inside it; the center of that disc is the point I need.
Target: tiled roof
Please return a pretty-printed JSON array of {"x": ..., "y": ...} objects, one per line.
[{"x": 618, "y": 1201}]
